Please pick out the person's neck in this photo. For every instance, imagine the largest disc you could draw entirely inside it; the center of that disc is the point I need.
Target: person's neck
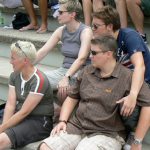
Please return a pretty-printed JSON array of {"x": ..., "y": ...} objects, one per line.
[
  {"x": 73, "y": 26},
  {"x": 28, "y": 72},
  {"x": 108, "y": 68},
  {"x": 115, "y": 34}
]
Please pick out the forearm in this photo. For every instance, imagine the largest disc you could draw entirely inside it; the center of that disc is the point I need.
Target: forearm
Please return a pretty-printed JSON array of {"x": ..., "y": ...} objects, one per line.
[
  {"x": 8, "y": 113},
  {"x": 137, "y": 80},
  {"x": 14, "y": 120},
  {"x": 67, "y": 108},
  {"x": 143, "y": 123},
  {"x": 75, "y": 66}
]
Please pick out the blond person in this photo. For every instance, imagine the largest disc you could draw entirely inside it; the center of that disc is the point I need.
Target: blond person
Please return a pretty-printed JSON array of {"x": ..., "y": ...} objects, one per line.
[{"x": 29, "y": 108}]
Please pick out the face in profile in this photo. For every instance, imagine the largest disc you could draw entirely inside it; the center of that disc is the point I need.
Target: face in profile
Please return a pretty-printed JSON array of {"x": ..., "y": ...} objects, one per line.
[
  {"x": 100, "y": 28},
  {"x": 17, "y": 62}
]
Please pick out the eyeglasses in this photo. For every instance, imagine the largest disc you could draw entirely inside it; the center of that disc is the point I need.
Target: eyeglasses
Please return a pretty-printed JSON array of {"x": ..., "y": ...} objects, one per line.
[
  {"x": 95, "y": 27},
  {"x": 95, "y": 53},
  {"x": 61, "y": 11},
  {"x": 18, "y": 46}
]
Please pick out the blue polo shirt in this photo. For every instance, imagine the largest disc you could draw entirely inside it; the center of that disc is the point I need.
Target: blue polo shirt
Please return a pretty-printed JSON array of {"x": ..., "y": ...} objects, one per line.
[{"x": 130, "y": 42}]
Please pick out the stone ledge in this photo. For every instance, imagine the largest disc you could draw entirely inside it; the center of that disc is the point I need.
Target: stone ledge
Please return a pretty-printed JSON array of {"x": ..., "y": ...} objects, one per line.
[{"x": 11, "y": 35}]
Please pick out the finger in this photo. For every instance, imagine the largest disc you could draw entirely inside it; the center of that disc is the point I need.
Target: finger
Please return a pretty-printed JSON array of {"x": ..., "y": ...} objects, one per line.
[
  {"x": 64, "y": 128},
  {"x": 131, "y": 111},
  {"x": 53, "y": 132},
  {"x": 126, "y": 112},
  {"x": 120, "y": 101},
  {"x": 122, "y": 110},
  {"x": 58, "y": 130}
]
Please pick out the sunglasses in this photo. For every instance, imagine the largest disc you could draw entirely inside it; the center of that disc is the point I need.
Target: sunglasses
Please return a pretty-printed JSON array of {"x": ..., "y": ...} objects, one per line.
[
  {"x": 61, "y": 11},
  {"x": 18, "y": 46},
  {"x": 95, "y": 53},
  {"x": 95, "y": 27}
]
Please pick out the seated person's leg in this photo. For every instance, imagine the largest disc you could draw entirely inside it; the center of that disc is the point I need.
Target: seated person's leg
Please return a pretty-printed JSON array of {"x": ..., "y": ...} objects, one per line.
[
  {"x": 99, "y": 142},
  {"x": 61, "y": 141},
  {"x": 30, "y": 130},
  {"x": 4, "y": 141},
  {"x": 44, "y": 12},
  {"x": 122, "y": 10},
  {"x": 97, "y": 4}
]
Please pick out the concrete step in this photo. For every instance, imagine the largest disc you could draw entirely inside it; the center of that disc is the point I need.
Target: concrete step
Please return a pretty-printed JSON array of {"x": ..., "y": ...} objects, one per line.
[
  {"x": 8, "y": 36},
  {"x": 6, "y": 68},
  {"x": 8, "y": 14}
]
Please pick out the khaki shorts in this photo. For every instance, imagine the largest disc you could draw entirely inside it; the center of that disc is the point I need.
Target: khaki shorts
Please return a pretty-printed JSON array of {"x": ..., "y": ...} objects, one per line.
[{"x": 65, "y": 141}]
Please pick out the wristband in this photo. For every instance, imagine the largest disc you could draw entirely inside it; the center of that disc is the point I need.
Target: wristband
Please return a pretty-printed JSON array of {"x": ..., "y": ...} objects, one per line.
[
  {"x": 67, "y": 76},
  {"x": 63, "y": 121}
]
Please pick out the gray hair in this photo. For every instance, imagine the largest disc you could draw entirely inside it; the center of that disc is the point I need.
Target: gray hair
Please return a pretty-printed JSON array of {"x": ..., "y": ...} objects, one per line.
[{"x": 24, "y": 49}]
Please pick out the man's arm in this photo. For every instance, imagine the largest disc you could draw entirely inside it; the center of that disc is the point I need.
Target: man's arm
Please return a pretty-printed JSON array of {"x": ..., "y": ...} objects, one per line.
[
  {"x": 10, "y": 105},
  {"x": 129, "y": 101},
  {"x": 30, "y": 103},
  {"x": 66, "y": 111}
]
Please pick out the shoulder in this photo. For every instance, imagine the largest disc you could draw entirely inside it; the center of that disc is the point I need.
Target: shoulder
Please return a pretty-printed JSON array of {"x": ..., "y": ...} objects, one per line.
[
  {"x": 14, "y": 75},
  {"x": 40, "y": 76},
  {"x": 124, "y": 71}
]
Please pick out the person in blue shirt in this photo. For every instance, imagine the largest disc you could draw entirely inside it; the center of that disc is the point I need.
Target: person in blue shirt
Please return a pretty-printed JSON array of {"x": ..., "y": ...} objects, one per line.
[{"x": 133, "y": 53}]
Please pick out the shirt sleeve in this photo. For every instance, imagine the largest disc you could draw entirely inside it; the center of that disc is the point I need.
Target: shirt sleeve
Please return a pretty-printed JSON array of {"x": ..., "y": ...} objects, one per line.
[
  {"x": 144, "y": 95},
  {"x": 40, "y": 84},
  {"x": 12, "y": 79},
  {"x": 134, "y": 43},
  {"x": 74, "y": 91}
]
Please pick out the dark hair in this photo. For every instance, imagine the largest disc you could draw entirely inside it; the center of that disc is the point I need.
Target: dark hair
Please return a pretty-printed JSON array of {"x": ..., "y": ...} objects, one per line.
[
  {"x": 73, "y": 6},
  {"x": 108, "y": 15},
  {"x": 106, "y": 43}
]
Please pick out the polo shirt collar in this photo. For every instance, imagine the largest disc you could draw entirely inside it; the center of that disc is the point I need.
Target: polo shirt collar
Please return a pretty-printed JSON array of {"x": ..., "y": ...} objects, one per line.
[{"x": 115, "y": 73}]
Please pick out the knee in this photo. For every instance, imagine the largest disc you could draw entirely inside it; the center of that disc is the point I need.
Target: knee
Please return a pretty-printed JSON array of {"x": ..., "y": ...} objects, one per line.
[
  {"x": 43, "y": 146},
  {"x": 4, "y": 141}
]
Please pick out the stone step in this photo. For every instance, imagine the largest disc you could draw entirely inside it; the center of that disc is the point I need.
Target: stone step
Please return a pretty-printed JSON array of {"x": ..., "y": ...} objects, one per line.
[
  {"x": 4, "y": 75},
  {"x": 6, "y": 68},
  {"x": 8, "y": 14},
  {"x": 8, "y": 36}
]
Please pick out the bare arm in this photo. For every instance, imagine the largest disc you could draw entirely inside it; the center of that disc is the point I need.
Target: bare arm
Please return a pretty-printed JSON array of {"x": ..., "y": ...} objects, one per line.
[
  {"x": 49, "y": 45},
  {"x": 66, "y": 110},
  {"x": 137, "y": 81},
  {"x": 138, "y": 73},
  {"x": 10, "y": 105},
  {"x": 63, "y": 85},
  {"x": 30, "y": 103}
]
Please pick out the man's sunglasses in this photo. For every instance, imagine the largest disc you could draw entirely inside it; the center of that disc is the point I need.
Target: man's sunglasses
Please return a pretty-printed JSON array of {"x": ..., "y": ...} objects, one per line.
[
  {"x": 61, "y": 11},
  {"x": 95, "y": 27},
  {"x": 95, "y": 53}
]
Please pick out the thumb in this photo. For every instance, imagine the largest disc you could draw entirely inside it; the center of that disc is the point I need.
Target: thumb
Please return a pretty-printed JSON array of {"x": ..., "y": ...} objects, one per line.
[{"x": 120, "y": 101}]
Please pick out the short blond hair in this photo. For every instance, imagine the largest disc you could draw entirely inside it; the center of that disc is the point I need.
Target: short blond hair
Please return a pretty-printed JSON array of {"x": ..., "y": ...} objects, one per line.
[{"x": 24, "y": 49}]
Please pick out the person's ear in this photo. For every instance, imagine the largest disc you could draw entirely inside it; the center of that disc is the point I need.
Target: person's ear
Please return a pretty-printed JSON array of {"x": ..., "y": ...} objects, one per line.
[
  {"x": 73, "y": 14},
  {"x": 110, "y": 27}
]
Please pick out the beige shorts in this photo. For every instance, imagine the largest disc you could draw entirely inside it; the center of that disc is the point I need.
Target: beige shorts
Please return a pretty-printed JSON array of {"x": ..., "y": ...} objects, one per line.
[{"x": 65, "y": 141}]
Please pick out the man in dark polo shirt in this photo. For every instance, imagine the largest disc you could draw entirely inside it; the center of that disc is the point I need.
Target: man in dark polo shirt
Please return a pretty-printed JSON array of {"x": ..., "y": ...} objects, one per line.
[{"x": 96, "y": 123}]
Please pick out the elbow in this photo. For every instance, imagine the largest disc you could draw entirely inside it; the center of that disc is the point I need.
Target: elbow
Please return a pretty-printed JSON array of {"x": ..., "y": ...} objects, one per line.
[{"x": 82, "y": 61}]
